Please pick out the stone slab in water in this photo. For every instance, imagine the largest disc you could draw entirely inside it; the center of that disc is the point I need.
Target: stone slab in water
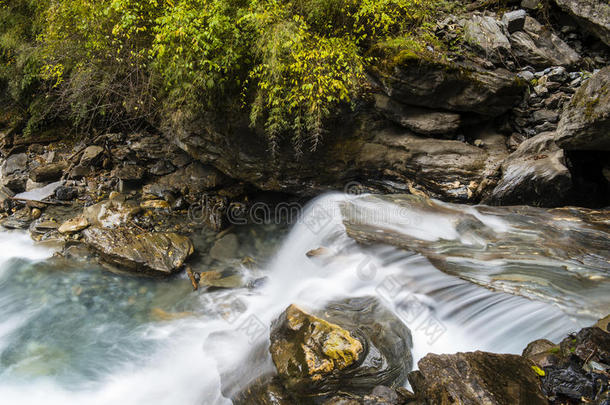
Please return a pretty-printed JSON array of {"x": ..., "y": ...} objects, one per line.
[
  {"x": 560, "y": 255},
  {"x": 151, "y": 253}
]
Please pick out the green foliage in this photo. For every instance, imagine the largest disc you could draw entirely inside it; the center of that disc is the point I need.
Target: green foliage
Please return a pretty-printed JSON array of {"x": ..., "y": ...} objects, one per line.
[
  {"x": 19, "y": 58},
  {"x": 109, "y": 63}
]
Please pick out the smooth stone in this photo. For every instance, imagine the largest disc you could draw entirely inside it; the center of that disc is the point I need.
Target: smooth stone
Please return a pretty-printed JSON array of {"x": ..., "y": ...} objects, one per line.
[
  {"x": 15, "y": 163},
  {"x": 351, "y": 345},
  {"x": 74, "y": 225}
]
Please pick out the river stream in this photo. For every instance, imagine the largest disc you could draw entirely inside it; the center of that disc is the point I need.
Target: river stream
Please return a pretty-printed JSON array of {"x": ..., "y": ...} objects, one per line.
[{"x": 73, "y": 333}]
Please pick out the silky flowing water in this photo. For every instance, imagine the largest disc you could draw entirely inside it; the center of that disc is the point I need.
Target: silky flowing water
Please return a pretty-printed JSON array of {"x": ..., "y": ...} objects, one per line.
[{"x": 72, "y": 333}]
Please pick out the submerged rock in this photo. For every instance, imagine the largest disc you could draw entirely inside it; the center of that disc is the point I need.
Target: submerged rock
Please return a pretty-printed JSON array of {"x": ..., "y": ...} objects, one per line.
[
  {"x": 559, "y": 256},
  {"x": 225, "y": 248},
  {"x": 356, "y": 345},
  {"x": 476, "y": 378},
  {"x": 228, "y": 278},
  {"x": 152, "y": 253},
  {"x": 264, "y": 391}
]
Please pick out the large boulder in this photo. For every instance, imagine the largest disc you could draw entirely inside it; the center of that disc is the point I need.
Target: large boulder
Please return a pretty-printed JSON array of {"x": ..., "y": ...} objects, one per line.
[
  {"x": 150, "y": 253},
  {"x": 461, "y": 87},
  {"x": 419, "y": 120},
  {"x": 585, "y": 122},
  {"x": 362, "y": 147},
  {"x": 538, "y": 46},
  {"x": 592, "y": 15},
  {"x": 476, "y": 378},
  {"x": 535, "y": 174},
  {"x": 352, "y": 345}
]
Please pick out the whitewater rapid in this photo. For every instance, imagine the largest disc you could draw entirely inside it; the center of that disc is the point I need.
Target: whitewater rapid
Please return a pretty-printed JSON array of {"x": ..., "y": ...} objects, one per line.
[{"x": 220, "y": 345}]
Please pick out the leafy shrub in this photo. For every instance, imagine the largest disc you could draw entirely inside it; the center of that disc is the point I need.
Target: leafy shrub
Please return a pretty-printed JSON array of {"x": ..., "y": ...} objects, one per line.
[{"x": 109, "y": 63}]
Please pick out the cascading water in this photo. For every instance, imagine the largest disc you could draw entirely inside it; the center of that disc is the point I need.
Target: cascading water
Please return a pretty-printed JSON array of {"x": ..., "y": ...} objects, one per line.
[{"x": 83, "y": 335}]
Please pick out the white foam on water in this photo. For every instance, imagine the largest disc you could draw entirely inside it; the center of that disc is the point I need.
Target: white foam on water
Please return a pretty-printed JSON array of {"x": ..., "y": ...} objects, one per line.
[
  {"x": 205, "y": 360},
  {"x": 19, "y": 245}
]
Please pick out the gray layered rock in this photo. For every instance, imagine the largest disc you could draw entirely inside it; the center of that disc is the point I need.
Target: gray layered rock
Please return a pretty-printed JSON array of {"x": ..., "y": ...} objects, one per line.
[
  {"x": 14, "y": 172},
  {"x": 592, "y": 15},
  {"x": 486, "y": 33},
  {"x": 419, "y": 120},
  {"x": 460, "y": 87},
  {"x": 585, "y": 122},
  {"x": 540, "y": 47},
  {"x": 534, "y": 174},
  {"x": 14, "y": 164},
  {"x": 149, "y": 253},
  {"x": 476, "y": 378},
  {"x": 362, "y": 147}
]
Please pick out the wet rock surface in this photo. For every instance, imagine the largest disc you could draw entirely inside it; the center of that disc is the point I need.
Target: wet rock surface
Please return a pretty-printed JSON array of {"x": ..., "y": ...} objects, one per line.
[
  {"x": 357, "y": 345},
  {"x": 576, "y": 370},
  {"x": 476, "y": 378},
  {"x": 151, "y": 253},
  {"x": 575, "y": 277}
]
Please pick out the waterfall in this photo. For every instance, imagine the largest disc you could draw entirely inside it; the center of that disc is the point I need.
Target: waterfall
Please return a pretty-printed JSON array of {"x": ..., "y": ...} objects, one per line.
[{"x": 111, "y": 349}]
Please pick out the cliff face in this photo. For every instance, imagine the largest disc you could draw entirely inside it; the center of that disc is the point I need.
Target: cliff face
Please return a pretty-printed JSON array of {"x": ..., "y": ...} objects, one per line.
[{"x": 446, "y": 124}]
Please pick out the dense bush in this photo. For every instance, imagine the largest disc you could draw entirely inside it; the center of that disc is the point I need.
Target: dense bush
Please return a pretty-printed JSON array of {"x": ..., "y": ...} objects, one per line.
[{"x": 289, "y": 64}]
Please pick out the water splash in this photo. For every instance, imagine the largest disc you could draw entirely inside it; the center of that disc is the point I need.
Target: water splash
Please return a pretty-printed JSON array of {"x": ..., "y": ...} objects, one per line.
[{"x": 220, "y": 342}]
